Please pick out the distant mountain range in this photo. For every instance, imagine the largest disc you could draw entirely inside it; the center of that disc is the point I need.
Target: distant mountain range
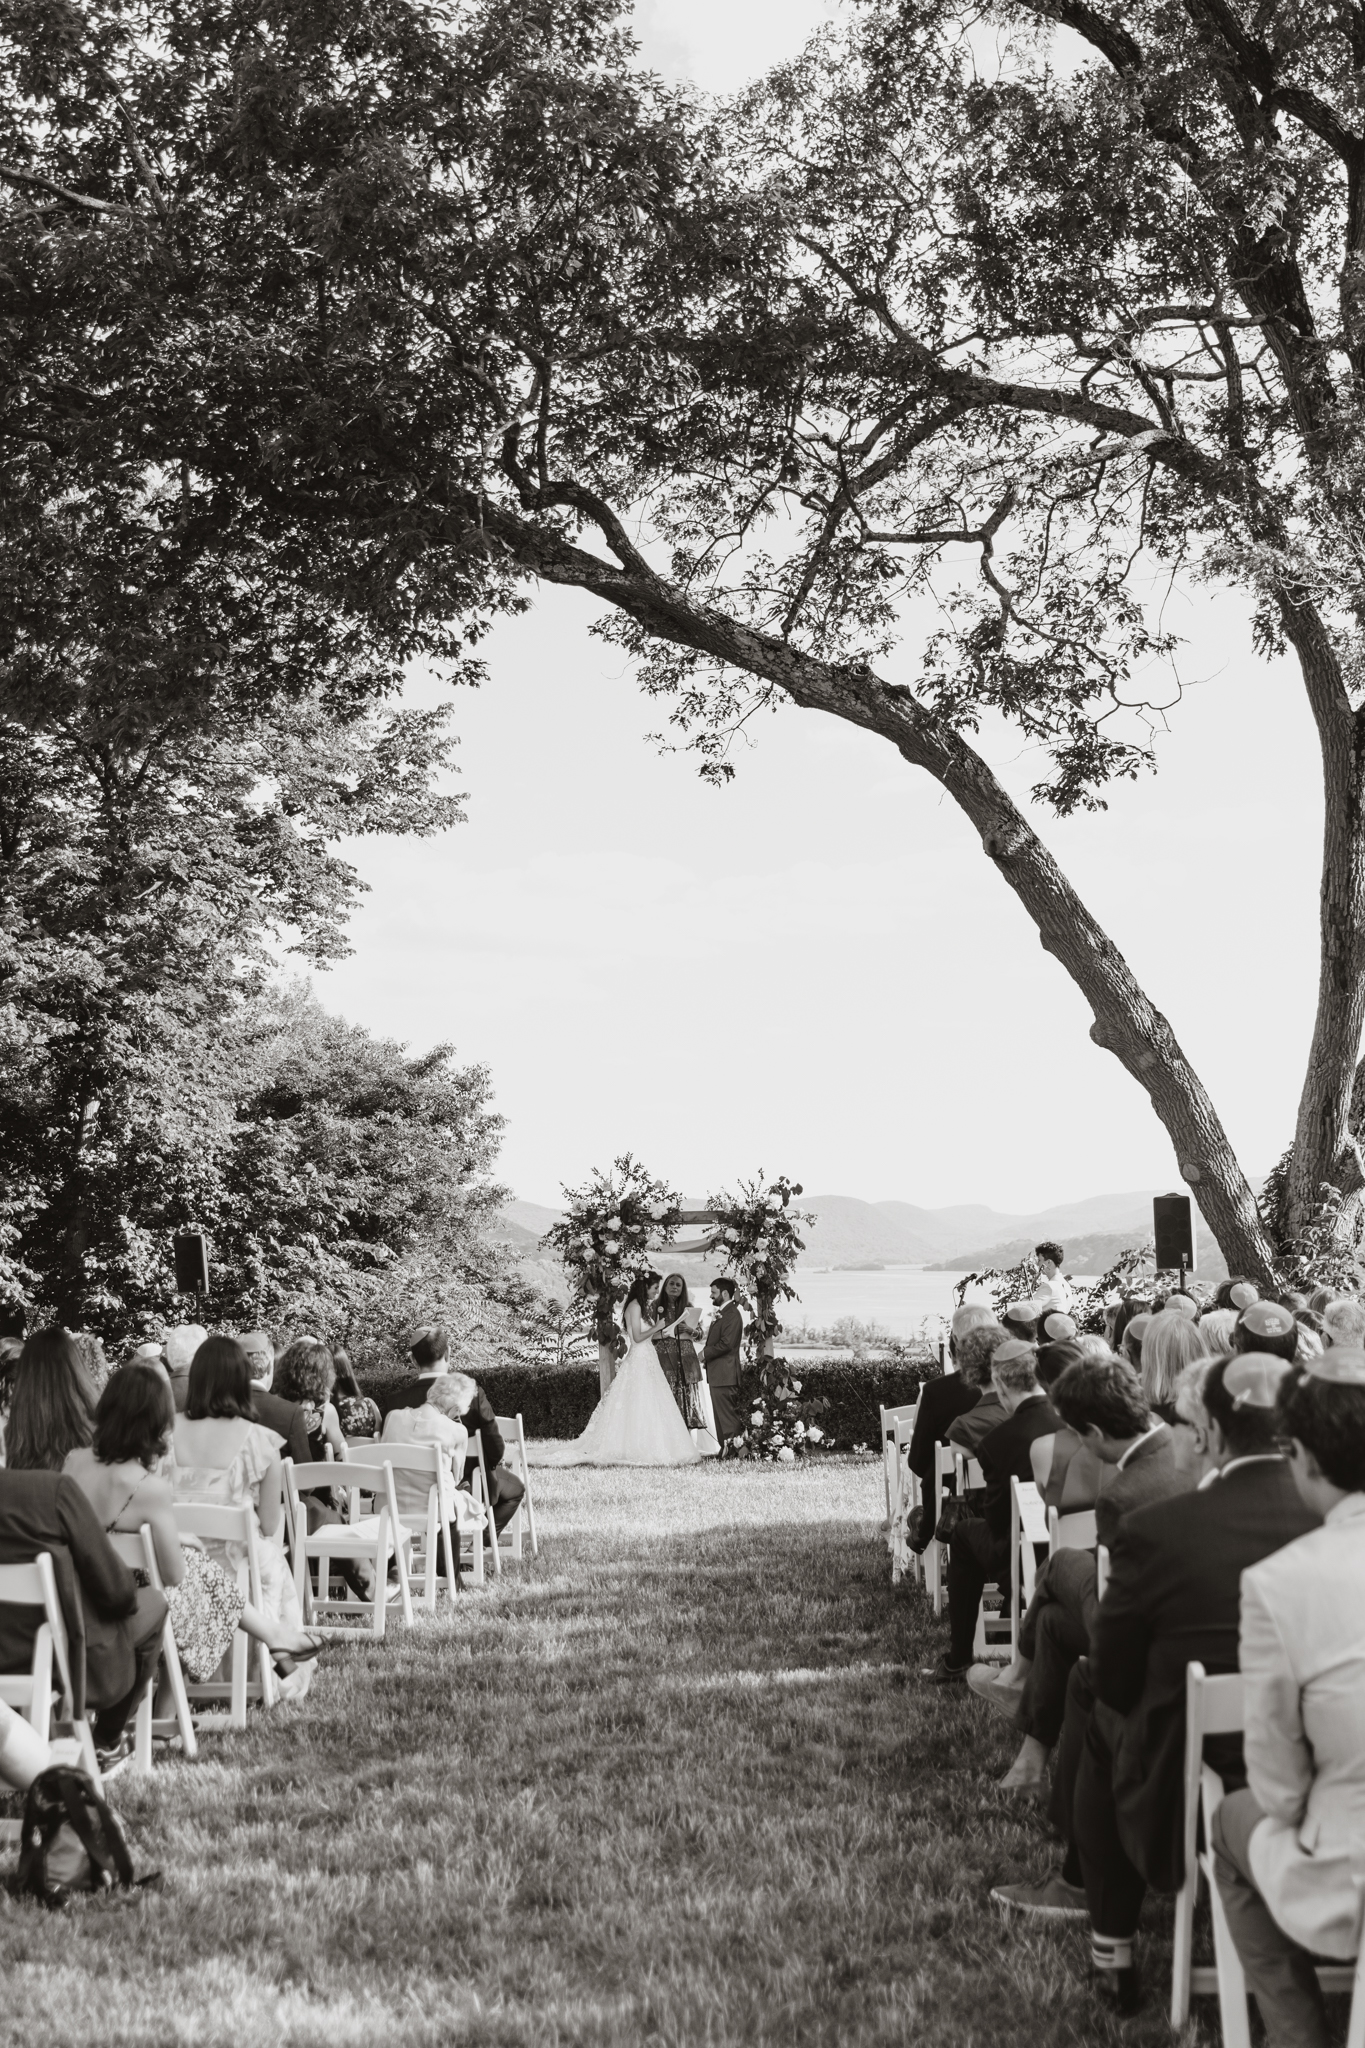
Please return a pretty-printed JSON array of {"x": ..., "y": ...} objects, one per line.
[{"x": 848, "y": 1233}]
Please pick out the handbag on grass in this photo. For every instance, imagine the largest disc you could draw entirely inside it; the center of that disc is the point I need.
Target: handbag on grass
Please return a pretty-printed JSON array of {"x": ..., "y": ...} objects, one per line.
[
  {"x": 72, "y": 1842},
  {"x": 954, "y": 1512}
]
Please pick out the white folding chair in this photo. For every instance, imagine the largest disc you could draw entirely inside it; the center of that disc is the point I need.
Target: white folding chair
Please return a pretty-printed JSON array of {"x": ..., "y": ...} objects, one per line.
[
  {"x": 430, "y": 1526},
  {"x": 371, "y": 1539},
  {"x": 1028, "y": 1525},
  {"x": 1214, "y": 1706},
  {"x": 1071, "y": 1532},
  {"x": 514, "y": 1440},
  {"x": 891, "y": 1454},
  {"x": 945, "y": 1467},
  {"x": 33, "y": 1692},
  {"x": 139, "y": 1554},
  {"x": 483, "y": 1493},
  {"x": 215, "y": 1523}
]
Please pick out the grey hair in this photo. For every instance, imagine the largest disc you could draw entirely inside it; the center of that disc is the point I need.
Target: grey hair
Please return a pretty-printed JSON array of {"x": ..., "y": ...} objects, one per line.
[{"x": 452, "y": 1393}]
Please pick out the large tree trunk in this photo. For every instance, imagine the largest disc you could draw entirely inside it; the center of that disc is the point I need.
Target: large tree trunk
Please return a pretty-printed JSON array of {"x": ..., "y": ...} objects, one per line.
[
  {"x": 1126, "y": 1023},
  {"x": 1324, "y": 1151}
]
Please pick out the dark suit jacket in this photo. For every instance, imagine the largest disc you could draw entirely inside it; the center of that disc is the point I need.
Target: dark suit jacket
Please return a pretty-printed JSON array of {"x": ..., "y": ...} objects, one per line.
[
  {"x": 1173, "y": 1596},
  {"x": 47, "y": 1511},
  {"x": 941, "y": 1401},
  {"x": 723, "y": 1341},
  {"x": 1004, "y": 1455},
  {"x": 480, "y": 1421},
  {"x": 286, "y": 1418},
  {"x": 1149, "y": 1475}
]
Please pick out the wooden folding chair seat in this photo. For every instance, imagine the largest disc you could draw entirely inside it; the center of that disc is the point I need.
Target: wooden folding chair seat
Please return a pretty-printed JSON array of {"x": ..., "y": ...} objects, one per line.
[
  {"x": 514, "y": 1440},
  {"x": 139, "y": 1554},
  {"x": 1071, "y": 1532},
  {"x": 372, "y": 1539},
  {"x": 433, "y": 1525},
  {"x": 48, "y": 1682},
  {"x": 214, "y": 1523},
  {"x": 946, "y": 1467},
  {"x": 1215, "y": 1706}
]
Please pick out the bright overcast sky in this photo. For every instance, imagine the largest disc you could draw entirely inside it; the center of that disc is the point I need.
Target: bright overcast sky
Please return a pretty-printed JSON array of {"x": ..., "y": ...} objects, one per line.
[{"x": 817, "y": 971}]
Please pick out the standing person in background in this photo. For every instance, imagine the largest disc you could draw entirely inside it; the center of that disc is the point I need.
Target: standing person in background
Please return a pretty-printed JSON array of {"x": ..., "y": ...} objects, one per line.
[
  {"x": 721, "y": 1358},
  {"x": 1051, "y": 1289}
]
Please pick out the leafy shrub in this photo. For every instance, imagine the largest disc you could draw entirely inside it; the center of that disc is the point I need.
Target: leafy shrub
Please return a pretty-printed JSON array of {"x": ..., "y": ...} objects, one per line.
[{"x": 556, "y": 1401}]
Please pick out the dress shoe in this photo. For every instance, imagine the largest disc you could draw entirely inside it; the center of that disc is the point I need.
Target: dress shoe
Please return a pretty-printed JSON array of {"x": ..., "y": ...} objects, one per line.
[
  {"x": 1001, "y": 1693},
  {"x": 1055, "y": 1900},
  {"x": 944, "y": 1673},
  {"x": 1119, "y": 1990}
]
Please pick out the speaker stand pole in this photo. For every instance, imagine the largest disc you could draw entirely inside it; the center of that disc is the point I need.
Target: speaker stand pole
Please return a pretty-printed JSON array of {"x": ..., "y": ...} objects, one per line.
[{"x": 1182, "y": 1272}]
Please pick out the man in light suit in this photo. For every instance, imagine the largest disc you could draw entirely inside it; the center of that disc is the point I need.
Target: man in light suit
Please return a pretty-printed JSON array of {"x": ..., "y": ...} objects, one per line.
[
  {"x": 720, "y": 1357},
  {"x": 1288, "y": 1846}
]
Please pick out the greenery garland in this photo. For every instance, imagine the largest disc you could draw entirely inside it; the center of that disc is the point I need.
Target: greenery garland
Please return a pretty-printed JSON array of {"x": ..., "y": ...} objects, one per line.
[{"x": 604, "y": 1237}]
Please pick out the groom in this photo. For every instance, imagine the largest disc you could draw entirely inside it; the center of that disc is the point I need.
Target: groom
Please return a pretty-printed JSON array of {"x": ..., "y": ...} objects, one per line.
[{"x": 721, "y": 1358}]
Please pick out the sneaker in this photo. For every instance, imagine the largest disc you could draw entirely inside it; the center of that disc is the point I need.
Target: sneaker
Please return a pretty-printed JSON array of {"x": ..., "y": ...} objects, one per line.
[
  {"x": 988, "y": 1684},
  {"x": 944, "y": 1673},
  {"x": 117, "y": 1753},
  {"x": 1055, "y": 1900}
]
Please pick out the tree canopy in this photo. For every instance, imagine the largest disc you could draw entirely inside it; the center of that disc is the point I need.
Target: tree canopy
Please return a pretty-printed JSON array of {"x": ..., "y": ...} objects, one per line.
[{"x": 354, "y": 320}]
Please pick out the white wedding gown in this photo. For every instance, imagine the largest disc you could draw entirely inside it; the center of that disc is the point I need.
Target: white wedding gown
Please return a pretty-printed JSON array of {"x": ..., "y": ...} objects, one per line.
[{"x": 636, "y": 1422}]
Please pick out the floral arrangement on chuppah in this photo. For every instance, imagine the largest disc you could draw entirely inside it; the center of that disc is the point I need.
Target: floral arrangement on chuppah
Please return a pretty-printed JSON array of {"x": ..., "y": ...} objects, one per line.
[{"x": 604, "y": 1237}]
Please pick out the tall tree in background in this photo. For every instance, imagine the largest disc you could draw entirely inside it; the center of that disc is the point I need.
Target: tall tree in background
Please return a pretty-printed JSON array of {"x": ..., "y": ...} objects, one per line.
[{"x": 410, "y": 308}]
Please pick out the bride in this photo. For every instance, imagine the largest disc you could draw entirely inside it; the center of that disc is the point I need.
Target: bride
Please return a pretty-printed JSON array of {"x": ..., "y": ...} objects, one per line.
[{"x": 637, "y": 1421}]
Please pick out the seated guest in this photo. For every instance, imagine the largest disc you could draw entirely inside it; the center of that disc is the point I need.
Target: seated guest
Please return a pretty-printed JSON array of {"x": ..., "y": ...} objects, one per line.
[
  {"x": 974, "y": 1355},
  {"x": 1218, "y": 1325},
  {"x": 1288, "y": 1846},
  {"x": 947, "y": 1395},
  {"x": 1178, "y": 1304},
  {"x": 178, "y": 1347},
  {"x": 276, "y": 1411},
  {"x": 1131, "y": 1305},
  {"x": 980, "y": 1547},
  {"x": 1104, "y": 1407},
  {"x": 52, "y": 1407},
  {"x": 222, "y": 1456},
  {"x": 1173, "y": 1594},
  {"x": 1170, "y": 1342},
  {"x": 114, "y": 1629},
  {"x": 439, "y": 1421},
  {"x": 1130, "y": 1343},
  {"x": 1345, "y": 1323},
  {"x": 1236, "y": 1293},
  {"x": 1021, "y": 1322},
  {"x": 304, "y": 1377},
  {"x": 117, "y": 1472},
  {"x": 431, "y": 1357},
  {"x": 1056, "y": 1328},
  {"x": 358, "y": 1415},
  {"x": 1268, "y": 1328}
]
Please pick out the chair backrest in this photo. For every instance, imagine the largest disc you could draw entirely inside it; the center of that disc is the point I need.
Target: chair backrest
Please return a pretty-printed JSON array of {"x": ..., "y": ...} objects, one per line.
[
  {"x": 1033, "y": 1524},
  {"x": 137, "y": 1550},
  {"x": 890, "y": 1416},
  {"x": 34, "y": 1584},
  {"x": 217, "y": 1522},
  {"x": 372, "y": 1473},
  {"x": 1213, "y": 1706},
  {"x": 1072, "y": 1532},
  {"x": 975, "y": 1475}
]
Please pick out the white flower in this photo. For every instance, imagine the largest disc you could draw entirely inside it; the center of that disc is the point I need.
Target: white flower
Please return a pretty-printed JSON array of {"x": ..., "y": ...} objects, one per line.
[
  {"x": 756, "y": 1419},
  {"x": 658, "y": 1210},
  {"x": 613, "y": 1223},
  {"x": 786, "y": 1457},
  {"x": 774, "y": 1201},
  {"x": 611, "y": 1246},
  {"x": 731, "y": 1236},
  {"x": 796, "y": 1386},
  {"x": 815, "y": 1433}
]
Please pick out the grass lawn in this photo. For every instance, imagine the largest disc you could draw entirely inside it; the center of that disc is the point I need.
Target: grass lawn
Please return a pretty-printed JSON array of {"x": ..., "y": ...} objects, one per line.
[{"x": 677, "y": 1782}]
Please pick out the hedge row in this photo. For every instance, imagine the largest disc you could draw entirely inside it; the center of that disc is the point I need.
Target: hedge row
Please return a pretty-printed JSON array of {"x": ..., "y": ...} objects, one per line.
[{"x": 556, "y": 1401}]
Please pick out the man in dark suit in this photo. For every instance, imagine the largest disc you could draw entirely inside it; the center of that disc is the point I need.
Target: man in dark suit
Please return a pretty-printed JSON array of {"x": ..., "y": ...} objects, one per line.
[
  {"x": 113, "y": 1627},
  {"x": 1104, "y": 1405},
  {"x": 980, "y": 1547},
  {"x": 286, "y": 1418},
  {"x": 431, "y": 1356},
  {"x": 1173, "y": 1597},
  {"x": 944, "y": 1401},
  {"x": 721, "y": 1357}
]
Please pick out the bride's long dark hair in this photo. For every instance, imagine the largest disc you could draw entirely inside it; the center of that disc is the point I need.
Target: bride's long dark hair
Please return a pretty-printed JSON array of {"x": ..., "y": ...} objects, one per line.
[{"x": 639, "y": 1294}]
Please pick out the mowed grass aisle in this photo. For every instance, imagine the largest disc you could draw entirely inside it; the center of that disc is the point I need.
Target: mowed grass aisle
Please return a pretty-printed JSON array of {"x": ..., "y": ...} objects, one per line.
[{"x": 676, "y": 1782}]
